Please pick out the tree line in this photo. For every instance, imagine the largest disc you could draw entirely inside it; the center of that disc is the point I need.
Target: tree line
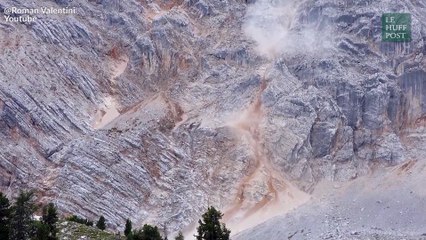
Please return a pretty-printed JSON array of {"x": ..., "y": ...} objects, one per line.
[
  {"x": 17, "y": 223},
  {"x": 209, "y": 228}
]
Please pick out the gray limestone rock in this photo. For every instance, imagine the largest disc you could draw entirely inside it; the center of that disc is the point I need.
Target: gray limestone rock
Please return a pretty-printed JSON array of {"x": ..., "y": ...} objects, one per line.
[{"x": 154, "y": 109}]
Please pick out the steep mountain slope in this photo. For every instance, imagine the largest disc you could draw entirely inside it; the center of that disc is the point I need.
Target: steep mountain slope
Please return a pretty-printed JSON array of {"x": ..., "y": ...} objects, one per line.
[
  {"x": 155, "y": 109},
  {"x": 385, "y": 204}
]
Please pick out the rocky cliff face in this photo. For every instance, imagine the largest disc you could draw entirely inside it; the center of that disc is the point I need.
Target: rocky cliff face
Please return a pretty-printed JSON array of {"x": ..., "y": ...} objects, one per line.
[{"x": 155, "y": 109}]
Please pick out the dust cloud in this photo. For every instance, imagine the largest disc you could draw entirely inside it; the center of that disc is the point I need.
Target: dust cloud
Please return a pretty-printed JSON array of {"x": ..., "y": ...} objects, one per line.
[
  {"x": 278, "y": 194},
  {"x": 276, "y": 30}
]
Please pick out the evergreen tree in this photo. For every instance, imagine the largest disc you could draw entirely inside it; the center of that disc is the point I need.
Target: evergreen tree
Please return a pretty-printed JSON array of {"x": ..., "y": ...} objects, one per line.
[
  {"x": 4, "y": 216},
  {"x": 147, "y": 232},
  {"x": 179, "y": 236},
  {"x": 210, "y": 227},
  {"x": 131, "y": 236},
  {"x": 101, "y": 223},
  {"x": 50, "y": 217},
  {"x": 75, "y": 218},
  {"x": 21, "y": 223},
  {"x": 42, "y": 231},
  {"x": 128, "y": 228}
]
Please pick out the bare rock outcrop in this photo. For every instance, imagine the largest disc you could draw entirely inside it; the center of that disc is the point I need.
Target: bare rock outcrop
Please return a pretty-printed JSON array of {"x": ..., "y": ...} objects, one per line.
[{"x": 154, "y": 109}]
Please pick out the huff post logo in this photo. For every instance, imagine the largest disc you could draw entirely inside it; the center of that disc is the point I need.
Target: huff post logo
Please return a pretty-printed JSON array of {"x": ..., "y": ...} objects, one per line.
[{"x": 396, "y": 27}]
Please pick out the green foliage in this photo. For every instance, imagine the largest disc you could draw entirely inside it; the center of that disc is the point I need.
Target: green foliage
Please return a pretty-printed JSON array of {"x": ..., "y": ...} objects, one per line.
[
  {"x": 179, "y": 236},
  {"x": 210, "y": 227},
  {"x": 77, "y": 219},
  {"x": 147, "y": 232},
  {"x": 50, "y": 214},
  {"x": 16, "y": 223},
  {"x": 128, "y": 228},
  {"x": 21, "y": 224},
  {"x": 76, "y": 231},
  {"x": 5, "y": 214},
  {"x": 130, "y": 236},
  {"x": 41, "y": 231},
  {"x": 50, "y": 217},
  {"x": 101, "y": 223}
]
